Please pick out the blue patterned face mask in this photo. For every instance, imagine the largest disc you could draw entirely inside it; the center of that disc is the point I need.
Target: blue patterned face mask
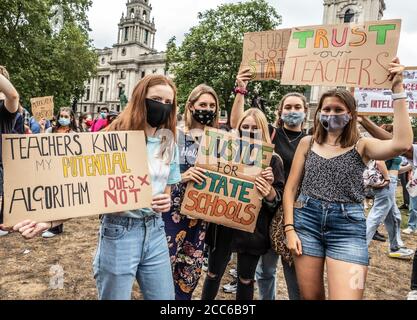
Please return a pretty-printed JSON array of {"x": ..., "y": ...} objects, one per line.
[
  {"x": 293, "y": 119},
  {"x": 334, "y": 122}
]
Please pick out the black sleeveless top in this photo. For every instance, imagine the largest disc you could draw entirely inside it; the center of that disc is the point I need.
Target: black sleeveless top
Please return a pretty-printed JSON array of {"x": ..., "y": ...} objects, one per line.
[{"x": 338, "y": 179}]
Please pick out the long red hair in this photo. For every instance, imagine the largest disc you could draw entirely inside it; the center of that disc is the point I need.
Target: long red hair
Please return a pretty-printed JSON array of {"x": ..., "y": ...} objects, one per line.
[{"x": 135, "y": 115}]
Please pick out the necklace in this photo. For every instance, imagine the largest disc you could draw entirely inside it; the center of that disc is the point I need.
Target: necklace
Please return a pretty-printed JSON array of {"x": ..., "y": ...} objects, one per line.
[
  {"x": 332, "y": 145},
  {"x": 290, "y": 141}
]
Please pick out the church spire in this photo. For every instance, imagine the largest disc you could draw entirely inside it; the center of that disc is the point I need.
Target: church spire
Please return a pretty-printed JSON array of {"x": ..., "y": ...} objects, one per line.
[{"x": 136, "y": 25}]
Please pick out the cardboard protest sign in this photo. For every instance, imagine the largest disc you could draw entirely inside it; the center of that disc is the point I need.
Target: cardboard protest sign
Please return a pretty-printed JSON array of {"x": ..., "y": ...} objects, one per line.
[
  {"x": 264, "y": 53},
  {"x": 42, "y": 108},
  {"x": 379, "y": 102},
  {"x": 50, "y": 177},
  {"x": 228, "y": 196},
  {"x": 353, "y": 55}
]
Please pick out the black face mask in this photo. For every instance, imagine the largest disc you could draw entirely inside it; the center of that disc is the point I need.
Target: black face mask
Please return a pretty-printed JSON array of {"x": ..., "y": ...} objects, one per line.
[
  {"x": 204, "y": 117},
  {"x": 250, "y": 134},
  {"x": 157, "y": 112}
]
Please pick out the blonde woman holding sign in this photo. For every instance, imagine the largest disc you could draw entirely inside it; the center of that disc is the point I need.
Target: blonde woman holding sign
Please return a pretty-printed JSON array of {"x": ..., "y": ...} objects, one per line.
[
  {"x": 327, "y": 224},
  {"x": 186, "y": 235},
  {"x": 132, "y": 244},
  {"x": 286, "y": 134},
  {"x": 249, "y": 246}
]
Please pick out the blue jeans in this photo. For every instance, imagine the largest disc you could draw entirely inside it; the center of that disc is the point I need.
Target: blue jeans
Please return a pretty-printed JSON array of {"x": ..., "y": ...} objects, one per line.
[
  {"x": 133, "y": 248},
  {"x": 385, "y": 210},
  {"x": 412, "y": 220},
  {"x": 331, "y": 229},
  {"x": 266, "y": 277}
]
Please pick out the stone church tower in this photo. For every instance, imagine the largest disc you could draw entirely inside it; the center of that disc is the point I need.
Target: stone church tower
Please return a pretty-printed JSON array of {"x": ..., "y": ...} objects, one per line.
[
  {"x": 131, "y": 58},
  {"x": 345, "y": 11},
  {"x": 136, "y": 27}
]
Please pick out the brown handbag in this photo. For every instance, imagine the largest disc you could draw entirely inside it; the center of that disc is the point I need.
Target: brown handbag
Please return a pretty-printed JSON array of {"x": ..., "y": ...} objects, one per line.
[{"x": 277, "y": 236}]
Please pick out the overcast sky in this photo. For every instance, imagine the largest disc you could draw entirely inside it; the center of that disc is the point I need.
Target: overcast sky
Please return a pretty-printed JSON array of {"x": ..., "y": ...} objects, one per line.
[{"x": 175, "y": 18}]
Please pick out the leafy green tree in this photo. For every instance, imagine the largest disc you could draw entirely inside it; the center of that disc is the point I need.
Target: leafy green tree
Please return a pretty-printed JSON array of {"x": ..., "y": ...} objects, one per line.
[
  {"x": 211, "y": 53},
  {"x": 42, "y": 62}
]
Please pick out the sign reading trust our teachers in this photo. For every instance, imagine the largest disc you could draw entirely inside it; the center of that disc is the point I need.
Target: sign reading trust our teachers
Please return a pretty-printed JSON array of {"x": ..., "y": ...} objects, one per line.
[
  {"x": 353, "y": 55},
  {"x": 51, "y": 177}
]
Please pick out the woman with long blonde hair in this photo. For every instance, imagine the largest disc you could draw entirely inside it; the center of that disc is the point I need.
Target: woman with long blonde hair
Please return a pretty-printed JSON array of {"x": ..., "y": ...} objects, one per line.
[
  {"x": 249, "y": 246},
  {"x": 186, "y": 235}
]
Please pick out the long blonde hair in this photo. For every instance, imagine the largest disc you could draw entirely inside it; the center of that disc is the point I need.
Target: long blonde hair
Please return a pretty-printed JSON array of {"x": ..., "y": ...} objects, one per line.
[
  {"x": 193, "y": 98},
  {"x": 261, "y": 122}
]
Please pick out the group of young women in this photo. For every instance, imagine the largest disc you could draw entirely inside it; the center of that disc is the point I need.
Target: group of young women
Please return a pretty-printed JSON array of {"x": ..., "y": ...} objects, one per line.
[{"x": 324, "y": 217}]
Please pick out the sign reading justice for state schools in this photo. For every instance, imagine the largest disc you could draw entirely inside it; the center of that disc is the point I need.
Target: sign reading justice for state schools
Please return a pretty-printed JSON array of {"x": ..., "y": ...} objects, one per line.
[{"x": 228, "y": 196}]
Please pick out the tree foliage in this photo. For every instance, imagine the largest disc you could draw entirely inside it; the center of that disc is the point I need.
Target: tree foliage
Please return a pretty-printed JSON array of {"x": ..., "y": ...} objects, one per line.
[
  {"x": 41, "y": 62},
  {"x": 211, "y": 53}
]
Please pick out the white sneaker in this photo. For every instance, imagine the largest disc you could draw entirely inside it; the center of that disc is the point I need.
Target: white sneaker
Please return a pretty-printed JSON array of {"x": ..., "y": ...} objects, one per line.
[
  {"x": 233, "y": 273},
  {"x": 48, "y": 234},
  {"x": 409, "y": 231},
  {"x": 230, "y": 287},
  {"x": 402, "y": 253},
  {"x": 205, "y": 264},
  {"x": 412, "y": 295},
  {"x": 3, "y": 233}
]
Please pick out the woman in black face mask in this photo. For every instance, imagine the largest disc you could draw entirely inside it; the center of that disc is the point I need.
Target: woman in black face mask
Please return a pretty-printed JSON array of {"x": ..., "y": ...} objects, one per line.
[
  {"x": 248, "y": 246},
  {"x": 186, "y": 235}
]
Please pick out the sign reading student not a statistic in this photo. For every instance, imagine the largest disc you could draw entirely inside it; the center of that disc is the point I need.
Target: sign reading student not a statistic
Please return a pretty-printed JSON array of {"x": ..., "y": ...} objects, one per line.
[
  {"x": 228, "y": 196},
  {"x": 353, "y": 55},
  {"x": 51, "y": 177},
  {"x": 264, "y": 53}
]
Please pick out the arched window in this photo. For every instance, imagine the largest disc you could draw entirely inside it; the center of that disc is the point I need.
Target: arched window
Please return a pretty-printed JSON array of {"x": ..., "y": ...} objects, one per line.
[
  {"x": 123, "y": 51},
  {"x": 349, "y": 14},
  {"x": 144, "y": 15},
  {"x": 132, "y": 13}
]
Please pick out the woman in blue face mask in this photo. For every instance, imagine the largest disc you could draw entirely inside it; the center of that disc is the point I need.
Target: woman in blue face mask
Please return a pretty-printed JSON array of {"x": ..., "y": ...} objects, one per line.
[
  {"x": 65, "y": 124},
  {"x": 326, "y": 224}
]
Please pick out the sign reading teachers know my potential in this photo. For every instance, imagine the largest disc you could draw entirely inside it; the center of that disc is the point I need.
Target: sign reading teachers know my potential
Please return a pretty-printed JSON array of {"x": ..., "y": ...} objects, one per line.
[
  {"x": 264, "y": 53},
  {"x": 354, "y": 55},
  {"x": 228, "y": 196},
  {"x": 379, "y": 102},
  {"x": 51, "y": 177}
]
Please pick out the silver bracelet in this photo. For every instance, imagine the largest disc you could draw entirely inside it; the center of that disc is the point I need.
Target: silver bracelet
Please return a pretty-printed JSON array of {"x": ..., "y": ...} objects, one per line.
[{"x": 398, "y": 96}]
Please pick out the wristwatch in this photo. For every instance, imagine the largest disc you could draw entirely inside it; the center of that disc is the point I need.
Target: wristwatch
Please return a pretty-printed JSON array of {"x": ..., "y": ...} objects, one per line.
[{"x": 397, "y": 96}]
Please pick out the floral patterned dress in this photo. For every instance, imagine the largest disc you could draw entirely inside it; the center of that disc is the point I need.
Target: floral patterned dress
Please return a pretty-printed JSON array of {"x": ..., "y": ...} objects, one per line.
[{"x": 185, "y": 235}]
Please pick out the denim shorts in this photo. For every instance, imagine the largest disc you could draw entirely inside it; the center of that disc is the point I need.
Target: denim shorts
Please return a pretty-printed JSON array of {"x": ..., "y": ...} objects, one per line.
[{"x": 333, "y": 230}]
